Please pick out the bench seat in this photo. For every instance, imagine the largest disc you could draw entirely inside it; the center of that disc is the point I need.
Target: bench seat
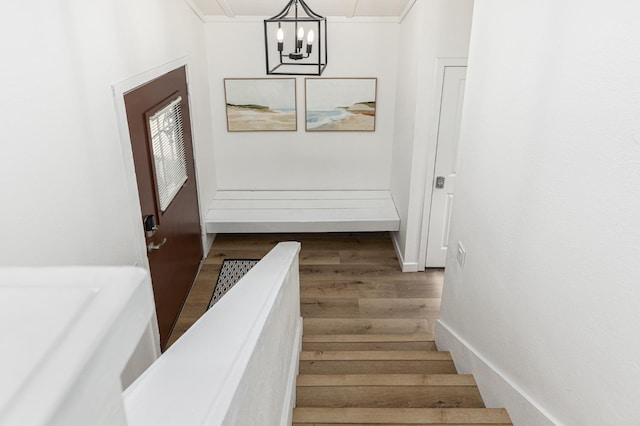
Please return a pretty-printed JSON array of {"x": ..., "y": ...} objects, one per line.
[{"x": 301, "y": 211}]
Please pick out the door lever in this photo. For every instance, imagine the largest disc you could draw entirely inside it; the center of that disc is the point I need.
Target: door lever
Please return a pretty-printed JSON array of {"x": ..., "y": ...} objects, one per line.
[{"x": 153, "y": 246}]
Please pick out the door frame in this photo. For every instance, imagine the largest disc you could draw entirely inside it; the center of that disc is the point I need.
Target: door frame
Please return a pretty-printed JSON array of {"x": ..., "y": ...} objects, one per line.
[
  {"x": 119, "y": 90},
  {"x": 441, "y": 65}
]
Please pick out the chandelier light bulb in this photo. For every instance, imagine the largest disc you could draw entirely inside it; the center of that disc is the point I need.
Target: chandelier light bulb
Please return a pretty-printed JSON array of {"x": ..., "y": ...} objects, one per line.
[
  {"x": 300, "y": 33},
  {"x": 280, "y": 35},
  {"x": 310, "y": 38}
]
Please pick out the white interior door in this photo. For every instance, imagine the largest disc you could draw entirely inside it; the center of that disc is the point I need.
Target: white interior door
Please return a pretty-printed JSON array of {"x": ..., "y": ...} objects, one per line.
[{"x": 446, "y": 165}]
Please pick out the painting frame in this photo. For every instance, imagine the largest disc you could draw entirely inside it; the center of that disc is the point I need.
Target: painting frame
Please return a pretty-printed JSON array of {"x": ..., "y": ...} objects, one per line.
[
  {"x": 261, "y": 104},
  {"x": 346, "y": 104}
]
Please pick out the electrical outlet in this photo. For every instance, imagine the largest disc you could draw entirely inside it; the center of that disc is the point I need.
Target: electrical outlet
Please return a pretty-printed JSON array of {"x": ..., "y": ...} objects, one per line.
[{"x": 461, "y": 254}]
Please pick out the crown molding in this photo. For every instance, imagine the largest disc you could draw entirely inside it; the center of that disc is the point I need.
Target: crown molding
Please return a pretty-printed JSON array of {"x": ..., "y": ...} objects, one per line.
[
  {"x": 406, "y": 10},
  {"x": 330, "y": 19},
  {"x": 226, "y": 8},
  {"x": 196, "y": 10}
]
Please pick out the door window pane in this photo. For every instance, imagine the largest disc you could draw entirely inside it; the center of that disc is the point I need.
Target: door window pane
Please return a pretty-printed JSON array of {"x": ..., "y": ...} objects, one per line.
[{"x": 168, "y": 151}]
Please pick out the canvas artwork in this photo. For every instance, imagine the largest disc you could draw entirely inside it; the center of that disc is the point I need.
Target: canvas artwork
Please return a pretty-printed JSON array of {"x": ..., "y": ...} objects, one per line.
[
  {"x": 260, "y": 104},
  {"x": 340, "y": 104}
]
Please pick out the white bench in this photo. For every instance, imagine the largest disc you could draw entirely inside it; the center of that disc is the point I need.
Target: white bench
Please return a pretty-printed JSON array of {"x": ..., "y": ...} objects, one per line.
[{"x": 301, "y": 211}]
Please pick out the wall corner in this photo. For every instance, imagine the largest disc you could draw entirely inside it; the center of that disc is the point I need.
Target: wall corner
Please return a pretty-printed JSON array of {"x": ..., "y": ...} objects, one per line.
[{"x": 404, "y": 265}]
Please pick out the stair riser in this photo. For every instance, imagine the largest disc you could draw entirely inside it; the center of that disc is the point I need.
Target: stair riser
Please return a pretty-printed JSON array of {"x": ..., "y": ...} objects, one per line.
[
  {"x": 369, "y": 346},
  {"x": 389, "y": 396},
  {"x": 377, "y": 367},
  {"x": 365, "y": 326}
]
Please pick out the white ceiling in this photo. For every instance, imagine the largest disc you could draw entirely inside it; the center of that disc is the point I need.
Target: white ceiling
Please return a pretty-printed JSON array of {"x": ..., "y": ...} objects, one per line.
[{"x": 268, "y": 8}]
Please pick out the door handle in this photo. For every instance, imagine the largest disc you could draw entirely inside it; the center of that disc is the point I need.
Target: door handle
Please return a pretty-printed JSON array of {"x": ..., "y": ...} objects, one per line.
[
  {"x": 153, "y": 246},
  {"x": 440, "y": 182}
]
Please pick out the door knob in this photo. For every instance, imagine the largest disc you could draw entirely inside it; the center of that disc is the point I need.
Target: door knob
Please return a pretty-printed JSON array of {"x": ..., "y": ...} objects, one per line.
[
  {"x": 440, "y": 182},
  {"x": 153, "y": 246}
]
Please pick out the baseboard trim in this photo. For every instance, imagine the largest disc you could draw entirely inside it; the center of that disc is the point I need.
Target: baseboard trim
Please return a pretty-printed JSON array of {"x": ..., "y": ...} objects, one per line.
[
  {"x": 496, "y": 388},
  {"x": 405, "y": 266},
  {"x": 290, "y": 396},
  {"x": 208, "y": 243}
]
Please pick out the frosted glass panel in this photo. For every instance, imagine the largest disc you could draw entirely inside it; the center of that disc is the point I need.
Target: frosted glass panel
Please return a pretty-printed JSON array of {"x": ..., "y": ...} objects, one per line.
[{"x": 168, "y": 151}]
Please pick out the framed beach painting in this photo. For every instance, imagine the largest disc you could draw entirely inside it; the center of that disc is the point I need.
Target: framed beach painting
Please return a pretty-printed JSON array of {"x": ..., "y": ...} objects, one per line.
[
  {"x": 260, "y": 104},
  {"x": 340, "y": 104}
]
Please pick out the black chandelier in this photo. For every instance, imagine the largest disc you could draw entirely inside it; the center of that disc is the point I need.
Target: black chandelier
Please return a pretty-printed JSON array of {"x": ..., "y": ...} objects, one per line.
[{"x": 284, "y": 41}]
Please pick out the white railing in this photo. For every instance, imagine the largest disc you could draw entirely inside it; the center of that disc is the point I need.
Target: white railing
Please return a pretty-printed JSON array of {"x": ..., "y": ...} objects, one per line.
[{"x": 238, "y": 363}]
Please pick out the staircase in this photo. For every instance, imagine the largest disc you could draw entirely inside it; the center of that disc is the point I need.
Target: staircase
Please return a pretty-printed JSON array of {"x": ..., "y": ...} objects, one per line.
[
  {"x": 368, "y": 354},
  {"x": 385, "y": 379}
]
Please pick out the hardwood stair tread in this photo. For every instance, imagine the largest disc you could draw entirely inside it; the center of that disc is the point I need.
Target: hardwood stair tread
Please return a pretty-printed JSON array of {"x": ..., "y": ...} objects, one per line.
[
  {"x": 390, "y": 397},
  {"x": 413, "y": 416},
  {"x": 361, "y": 338},
  {"x": 374, "y": 356},
  {"x": 385, "y": 380},
  {"x": 369, "y": 346},
  {"x": 364, "y": 306},
  {"x": 388, "y": 391}
]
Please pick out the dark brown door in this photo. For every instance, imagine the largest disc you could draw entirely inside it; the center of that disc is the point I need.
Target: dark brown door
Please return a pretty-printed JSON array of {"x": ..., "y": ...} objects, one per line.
[{"x": 163, "y": 157}]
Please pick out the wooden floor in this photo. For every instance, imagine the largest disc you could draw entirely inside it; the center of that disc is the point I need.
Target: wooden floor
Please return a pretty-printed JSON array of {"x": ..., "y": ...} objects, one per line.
[
  {"x": 342, "y": 275},
  {"x": 368, "y": 351}
]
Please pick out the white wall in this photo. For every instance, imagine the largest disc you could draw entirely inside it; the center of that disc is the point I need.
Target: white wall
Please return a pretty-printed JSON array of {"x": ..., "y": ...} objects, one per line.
[
  {"x": 433, "y": 29},
  {"x": 301, "y": 160},
  {"x": 64, "y": 197},
  {"x": 545, "y": 310},
  {"x": 64, "y": 192}
]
